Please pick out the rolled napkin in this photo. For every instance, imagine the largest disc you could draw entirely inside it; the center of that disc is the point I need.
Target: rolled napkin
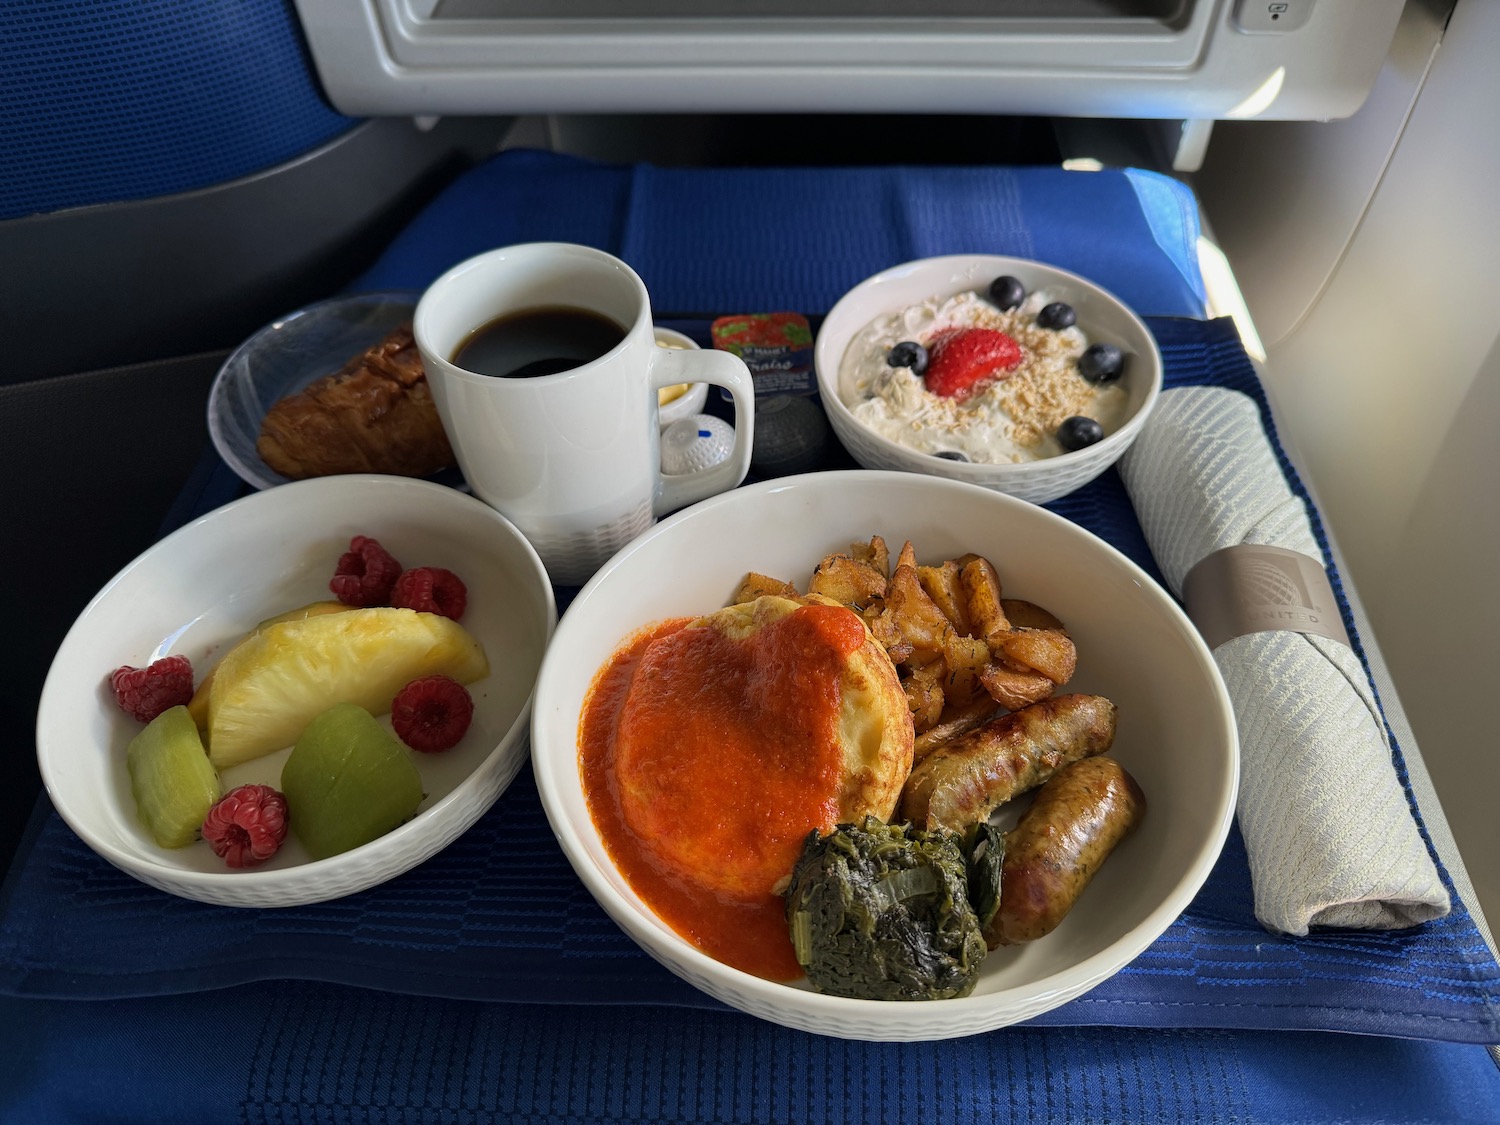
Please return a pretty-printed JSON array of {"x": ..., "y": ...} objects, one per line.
[{"x": 1329, "y": 832}]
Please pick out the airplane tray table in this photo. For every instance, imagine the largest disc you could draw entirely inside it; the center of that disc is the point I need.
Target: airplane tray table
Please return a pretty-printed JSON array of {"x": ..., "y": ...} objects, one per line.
[{"x": 486, "y": 982}]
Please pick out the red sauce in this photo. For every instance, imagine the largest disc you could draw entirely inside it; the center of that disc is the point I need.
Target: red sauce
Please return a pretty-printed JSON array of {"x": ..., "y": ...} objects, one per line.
[{"x": 706, "y": 761}]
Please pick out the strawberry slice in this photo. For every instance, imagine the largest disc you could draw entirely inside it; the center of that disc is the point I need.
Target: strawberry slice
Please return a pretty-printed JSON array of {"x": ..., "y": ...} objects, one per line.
[{"x": 963, "y": 361}]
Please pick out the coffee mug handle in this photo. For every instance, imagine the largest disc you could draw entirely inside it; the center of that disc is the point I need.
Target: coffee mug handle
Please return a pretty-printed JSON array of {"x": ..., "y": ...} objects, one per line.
[{"x": 671, "y": 366}]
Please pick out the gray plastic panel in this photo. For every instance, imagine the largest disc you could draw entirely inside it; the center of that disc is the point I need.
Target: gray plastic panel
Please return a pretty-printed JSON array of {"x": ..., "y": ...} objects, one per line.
[
  {"x": 816, "y": 9},
  {"x": 1191, "y": 59},
  {"x": 119, "y": 283}
]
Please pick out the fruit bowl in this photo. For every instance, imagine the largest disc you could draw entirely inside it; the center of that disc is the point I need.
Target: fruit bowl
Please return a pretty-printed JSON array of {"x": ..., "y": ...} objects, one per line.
[
  {"x": 202, "y": 588},
  {"x": 1177, "y": 734},
  {"x": 1102, "y": 317}
]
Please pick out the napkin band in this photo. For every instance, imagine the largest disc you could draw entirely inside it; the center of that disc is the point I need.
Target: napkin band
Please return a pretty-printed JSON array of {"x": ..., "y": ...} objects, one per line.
[{"x": 1256, "y": 588}]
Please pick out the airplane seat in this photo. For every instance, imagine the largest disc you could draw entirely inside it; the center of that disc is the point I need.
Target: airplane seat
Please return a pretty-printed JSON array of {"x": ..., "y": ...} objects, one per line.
[{"x": 173, "y": 178}]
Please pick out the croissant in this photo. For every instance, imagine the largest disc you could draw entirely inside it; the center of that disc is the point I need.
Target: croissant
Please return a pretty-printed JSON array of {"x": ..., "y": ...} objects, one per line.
[{"x": 373, "y": 415}]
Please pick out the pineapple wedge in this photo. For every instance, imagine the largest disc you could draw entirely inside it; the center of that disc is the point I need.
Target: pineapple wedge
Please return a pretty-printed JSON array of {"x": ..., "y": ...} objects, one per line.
[
  {"x": 270, "y": 686},
  {"x": 198, "y": 705}
]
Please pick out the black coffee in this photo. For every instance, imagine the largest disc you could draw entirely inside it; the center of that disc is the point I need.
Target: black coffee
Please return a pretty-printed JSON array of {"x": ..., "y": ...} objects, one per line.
[{"x": 542, "y": 341}]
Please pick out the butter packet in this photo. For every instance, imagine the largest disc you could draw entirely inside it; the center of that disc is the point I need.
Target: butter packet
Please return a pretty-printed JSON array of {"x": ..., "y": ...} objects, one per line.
[{"x": 777, "y": 348}]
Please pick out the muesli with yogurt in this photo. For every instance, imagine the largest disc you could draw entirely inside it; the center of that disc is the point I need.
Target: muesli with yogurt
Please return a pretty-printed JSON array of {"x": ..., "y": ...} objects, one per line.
[{"x": 995, "y": 378}]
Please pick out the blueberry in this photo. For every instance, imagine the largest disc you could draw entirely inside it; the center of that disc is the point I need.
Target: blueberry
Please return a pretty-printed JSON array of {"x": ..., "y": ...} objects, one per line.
[
  {"x": 1007, "y": 292},
  {"x": 1057, "y": 315},
  {"x": 908, "y": 354},
  {"x": 1101, "y": 363},
  {"x": 1078, "y": 431},
  {"x": 950, "y": 455}
]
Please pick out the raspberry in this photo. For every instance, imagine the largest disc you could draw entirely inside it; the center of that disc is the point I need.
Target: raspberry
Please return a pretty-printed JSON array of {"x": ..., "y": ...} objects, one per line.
[
  {"x": 431, "y": 714},
  {"x": 145, "y": 693},
  {"x": 963, "y": 361},
  {"x": 365, "y": 574},
  {"x": 247, "y": 826},
  {"x": 431, "y": 589}
]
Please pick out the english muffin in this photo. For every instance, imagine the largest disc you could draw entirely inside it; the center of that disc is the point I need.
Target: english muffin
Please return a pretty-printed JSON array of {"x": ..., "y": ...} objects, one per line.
[{"x": 750, "y": 727}]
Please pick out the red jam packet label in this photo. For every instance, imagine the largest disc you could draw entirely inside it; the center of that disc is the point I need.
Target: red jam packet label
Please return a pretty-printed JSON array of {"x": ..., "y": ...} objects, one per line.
[{"x": 776, "y": 347}]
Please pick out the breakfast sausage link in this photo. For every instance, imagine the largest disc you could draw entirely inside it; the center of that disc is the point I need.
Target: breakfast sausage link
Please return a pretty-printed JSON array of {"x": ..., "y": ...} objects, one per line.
[
  {"x": 961, "y": 783},
  {"x": 1059, "y": 843}
]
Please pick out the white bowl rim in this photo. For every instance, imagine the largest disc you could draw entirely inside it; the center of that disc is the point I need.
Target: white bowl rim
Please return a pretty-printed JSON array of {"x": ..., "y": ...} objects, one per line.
[
  {"x": 1068, "y": 982},
  {"x": 54, "y": 693},
  {"x": 827, "y": 369}
]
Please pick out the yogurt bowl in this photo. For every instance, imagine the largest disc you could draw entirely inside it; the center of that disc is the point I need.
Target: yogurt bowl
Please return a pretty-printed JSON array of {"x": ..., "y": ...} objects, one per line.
[{"x": 926, "y": 297}]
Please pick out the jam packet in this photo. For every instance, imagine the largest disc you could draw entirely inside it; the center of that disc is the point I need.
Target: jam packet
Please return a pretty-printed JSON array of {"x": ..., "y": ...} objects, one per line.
[{"x": 777, "y": 348}]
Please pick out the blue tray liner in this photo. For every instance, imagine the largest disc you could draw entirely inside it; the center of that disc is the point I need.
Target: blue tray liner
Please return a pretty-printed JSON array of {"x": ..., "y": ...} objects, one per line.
[
  {"x": 731, "y": 240},
  {"x": 500, "y": 915},
  {"x": 292, "y": 1052}
]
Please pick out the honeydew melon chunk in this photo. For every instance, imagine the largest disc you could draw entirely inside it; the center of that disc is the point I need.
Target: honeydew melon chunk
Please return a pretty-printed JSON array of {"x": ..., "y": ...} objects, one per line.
[
  {"x": 267, "y": 689},
  {"x": 347, "y": 781},
  {"x": 171, "y": 778}
]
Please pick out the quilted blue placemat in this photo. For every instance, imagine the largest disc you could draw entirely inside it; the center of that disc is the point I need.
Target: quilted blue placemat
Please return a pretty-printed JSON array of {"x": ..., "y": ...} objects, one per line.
[
  {"x": 500, "y": 915},
  {"x": 730, "y": 240},
  {"x": 296, "y": 1053}
]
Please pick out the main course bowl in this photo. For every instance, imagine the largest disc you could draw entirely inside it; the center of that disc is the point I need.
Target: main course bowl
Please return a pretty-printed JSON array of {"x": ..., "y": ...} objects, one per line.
[
  {"x": 1176, "y": 728},
  {"x": 200, "y": 589},
  {"x": 1102, "y": 317}
]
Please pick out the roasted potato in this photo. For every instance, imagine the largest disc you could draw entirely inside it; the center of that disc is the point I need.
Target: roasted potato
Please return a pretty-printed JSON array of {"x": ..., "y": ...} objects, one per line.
[
  {"x": 944, "y": 588},
  {"x": 875, "y": 552},
  {"x": 1013, "y": 688},
  {"x": 981, "y": 586},
  {"x": 965, "y": 658},
  {"x": 1048, "y": 651},
  {"x": 1029, "y": 615},
  {"x": 916, "y": 616},
  {"x": 887, "y": 631},
  {"x": 848, "y": 581},
  {"x": 960, "y": 648},
  {"x": 924, "y": 694},
  {"x": 755, "y": 585}
]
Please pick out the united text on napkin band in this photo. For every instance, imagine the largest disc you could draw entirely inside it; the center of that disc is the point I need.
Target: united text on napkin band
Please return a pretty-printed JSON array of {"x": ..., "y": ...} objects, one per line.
[{"x": 1256, "y": 588}]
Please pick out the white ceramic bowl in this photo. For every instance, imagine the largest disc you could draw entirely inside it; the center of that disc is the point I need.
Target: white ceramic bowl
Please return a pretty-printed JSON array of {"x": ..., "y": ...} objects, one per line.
[
  {"x": 1103, "y": 317},
  {"x": 1176, "y": 728},
  {"x": 206, "y": 585},
  {"x": 284, "y": 357},
  {"x": 690, "y": 401}
]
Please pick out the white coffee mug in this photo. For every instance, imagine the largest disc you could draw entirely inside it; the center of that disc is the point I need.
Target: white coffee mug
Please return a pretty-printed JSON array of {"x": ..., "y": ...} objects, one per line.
[{"x": 573, "y": 459}]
